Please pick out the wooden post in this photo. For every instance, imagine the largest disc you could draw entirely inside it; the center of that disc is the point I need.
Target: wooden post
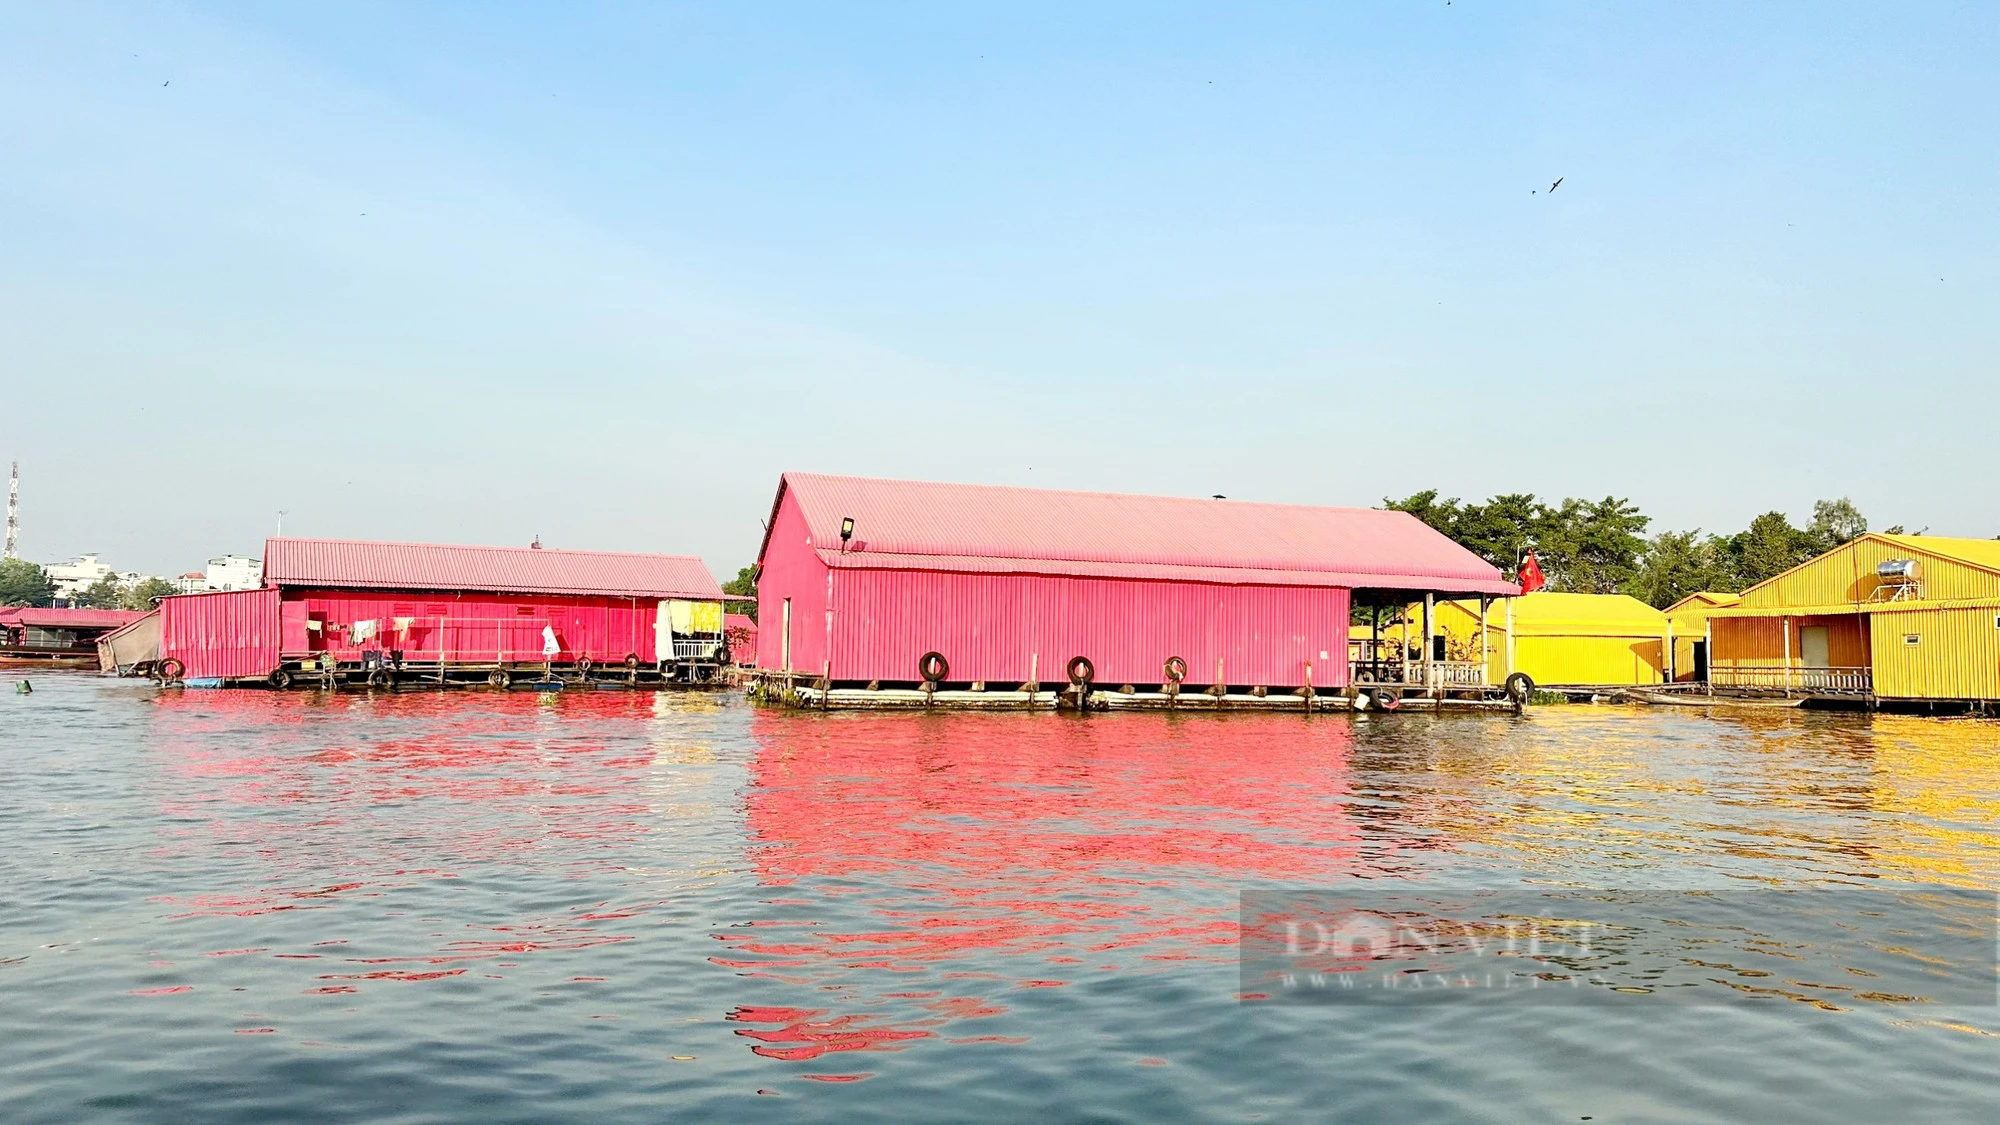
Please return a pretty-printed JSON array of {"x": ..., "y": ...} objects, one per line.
[
  {"x": 1403, "y": 654},
  {"x": 1484, "y": 653},
  {"x": 826, "y": 684},
  {"x": 1375, "y": 649},
  {"x": 1669, "y": 661},
  {"x": 1221, "y": 687},
  {"x": 1785, "y": 624},
  {"x": 1510, "y": 636},
  {"x": 1708, "y": 650},
  {"x": 1430, "y": 627},
  {"x": 1309, "y": 685}
]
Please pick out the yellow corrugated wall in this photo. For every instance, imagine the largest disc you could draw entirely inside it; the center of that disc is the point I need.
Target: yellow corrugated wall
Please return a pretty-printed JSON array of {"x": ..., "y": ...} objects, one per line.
[
  {"x": 1582, "y": 660},
  {"x": 1956, "y": 654},
  {"x": 1847, "y": 574}
]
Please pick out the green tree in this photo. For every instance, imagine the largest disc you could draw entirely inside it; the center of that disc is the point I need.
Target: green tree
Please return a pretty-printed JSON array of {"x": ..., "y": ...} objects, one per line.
[
  {"x": 1835, "y": 522},
  {"x": 105, "y": 593},
  {"x": 143, "y": 592},
  {"x": 24, "y": 583},
  {"x": 1679, "y": 563},
  {"x": 1591, "y": 547},
  {"x": 1502, "y": 528},
  {"x": 1425, "y": 505},
  {"x": 1497, "y": 531},
  {"x": 1768, "y": 548},
  {"x": 745, "y": 582}
]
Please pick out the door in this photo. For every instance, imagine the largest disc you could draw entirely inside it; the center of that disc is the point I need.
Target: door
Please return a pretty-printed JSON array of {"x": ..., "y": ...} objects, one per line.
[
  {"x": 1701, "y": 662},
  {"x": 1813, "y": 647},
  {"x": 786, "y": 636},
  {"x": 663, "y": 632}
]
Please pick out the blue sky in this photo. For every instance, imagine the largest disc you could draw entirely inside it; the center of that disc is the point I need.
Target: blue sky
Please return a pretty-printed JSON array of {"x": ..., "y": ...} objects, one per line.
[{"x": 473, "y": 272}]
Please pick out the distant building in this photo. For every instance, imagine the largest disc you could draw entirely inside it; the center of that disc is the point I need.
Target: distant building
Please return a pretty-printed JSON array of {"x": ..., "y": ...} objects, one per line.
[
  {"x": 77, "y": 575},
  {"x": 233, "y": 572},
  {"x": 193, "y": 582}
]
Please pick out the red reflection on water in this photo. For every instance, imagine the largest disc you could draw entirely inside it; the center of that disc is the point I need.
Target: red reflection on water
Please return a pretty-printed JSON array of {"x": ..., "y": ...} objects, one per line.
[
  {"x": 461, "y": 781},
  {"x": 163, "y": 991},
  {"x": 976, "y": 837}
]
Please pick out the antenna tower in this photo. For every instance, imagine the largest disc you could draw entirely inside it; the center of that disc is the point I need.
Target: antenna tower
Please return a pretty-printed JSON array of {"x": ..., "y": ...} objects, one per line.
[{"x": 14, "y": 512}]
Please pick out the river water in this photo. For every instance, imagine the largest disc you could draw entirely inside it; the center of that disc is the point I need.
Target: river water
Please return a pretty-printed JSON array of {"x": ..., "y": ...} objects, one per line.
[{"x": 606, "y": 907}]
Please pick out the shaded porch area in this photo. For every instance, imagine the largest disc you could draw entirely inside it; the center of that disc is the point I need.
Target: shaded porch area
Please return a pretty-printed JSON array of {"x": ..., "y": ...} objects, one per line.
[{"x": 1808, "y": 655}]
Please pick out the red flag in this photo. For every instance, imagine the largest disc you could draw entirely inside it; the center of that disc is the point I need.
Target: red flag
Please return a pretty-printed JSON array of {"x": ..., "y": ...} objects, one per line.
[{"x": 1531, "y": 575}]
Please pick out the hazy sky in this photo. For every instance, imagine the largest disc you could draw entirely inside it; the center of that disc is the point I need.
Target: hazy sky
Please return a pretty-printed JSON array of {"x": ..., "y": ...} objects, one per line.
[{"x": 473, "y": 272}]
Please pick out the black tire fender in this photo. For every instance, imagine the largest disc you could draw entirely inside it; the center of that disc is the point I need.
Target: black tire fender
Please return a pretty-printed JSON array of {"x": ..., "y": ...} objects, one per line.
[
  {"x": 499, "y": 678},
  {"x": 1520, "y": 687},
  {"x": 631, "y": 660},
  {"x": 933, "y": 667},
  {"x": 171, "y": 670},
  {"x": 381, "y": 678},
  {"x": 1081, "y": 670},
  {"x": 279, "y": 679},
  {"x": 1175, "y": 669}
]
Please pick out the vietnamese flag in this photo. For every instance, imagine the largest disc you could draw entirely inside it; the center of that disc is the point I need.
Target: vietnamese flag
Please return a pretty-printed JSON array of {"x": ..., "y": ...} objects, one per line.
[{"x": 1531, "y": 575}]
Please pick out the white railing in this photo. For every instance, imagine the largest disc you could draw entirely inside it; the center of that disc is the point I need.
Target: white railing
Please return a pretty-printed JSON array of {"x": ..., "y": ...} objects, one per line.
[
  {"x": 696, "y": 650},
  {"x": 1777, "y": 677},
  {"x": 1445, "y": 673}
]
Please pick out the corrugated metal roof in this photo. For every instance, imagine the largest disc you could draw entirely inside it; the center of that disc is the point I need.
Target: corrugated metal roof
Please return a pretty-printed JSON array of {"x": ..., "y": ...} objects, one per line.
[
  {"x": 985, "y": 528},
  {"x": 43, "y": 618},
  {"x": 1704, "y": 599},
  {"x": 1973, "y": 552},
  {"x": 427, "y": 566},
  {"x": 1586, "y": 614}
]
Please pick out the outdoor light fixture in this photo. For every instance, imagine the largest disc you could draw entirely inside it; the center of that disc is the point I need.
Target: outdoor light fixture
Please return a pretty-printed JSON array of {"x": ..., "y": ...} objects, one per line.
[{"x": 846, "y": 529}]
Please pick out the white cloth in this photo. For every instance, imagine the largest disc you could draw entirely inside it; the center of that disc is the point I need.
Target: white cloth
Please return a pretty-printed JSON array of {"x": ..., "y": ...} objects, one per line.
[{"x": 549, "y": 645}]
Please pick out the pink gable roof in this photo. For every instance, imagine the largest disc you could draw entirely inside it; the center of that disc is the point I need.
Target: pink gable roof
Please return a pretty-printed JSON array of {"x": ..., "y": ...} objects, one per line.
[
  {"x": 425, "y": 566},
  {"x": 43, "y": 618},
  {"x": 983, "y": 528}
]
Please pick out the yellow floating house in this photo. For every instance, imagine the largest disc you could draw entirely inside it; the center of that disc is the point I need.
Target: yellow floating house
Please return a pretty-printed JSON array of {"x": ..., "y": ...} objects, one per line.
[
  {"x": 1897, "y": 619},
  {"x": 1688, "y": 621},
  {"x": 1567, "y": 640}
]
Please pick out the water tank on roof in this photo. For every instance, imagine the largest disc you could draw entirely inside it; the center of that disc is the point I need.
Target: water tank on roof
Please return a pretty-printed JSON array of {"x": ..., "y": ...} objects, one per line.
[{"x": 1897, "y": 570}]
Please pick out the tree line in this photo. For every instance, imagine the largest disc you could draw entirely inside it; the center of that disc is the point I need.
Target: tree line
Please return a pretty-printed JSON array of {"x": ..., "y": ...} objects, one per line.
[
  {"x": 23, "y": 583},
  {"x": 1601, "y": 546}
]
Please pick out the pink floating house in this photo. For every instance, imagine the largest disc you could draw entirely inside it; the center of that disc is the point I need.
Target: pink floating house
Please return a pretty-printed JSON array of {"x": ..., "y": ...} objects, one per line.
[
  {"x": 862, "y": 580},
  {"x": 388, "y": 612}
]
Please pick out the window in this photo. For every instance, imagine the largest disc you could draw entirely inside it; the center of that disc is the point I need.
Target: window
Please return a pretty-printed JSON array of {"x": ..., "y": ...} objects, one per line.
[{"x": 1911, "y": 638}]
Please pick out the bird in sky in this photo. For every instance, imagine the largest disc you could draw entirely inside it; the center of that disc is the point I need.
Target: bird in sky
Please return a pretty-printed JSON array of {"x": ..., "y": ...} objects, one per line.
[{"x": 1557, "y": 184}]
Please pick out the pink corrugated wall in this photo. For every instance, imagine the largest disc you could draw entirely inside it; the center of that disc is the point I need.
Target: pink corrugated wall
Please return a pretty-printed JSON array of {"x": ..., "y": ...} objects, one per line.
[
  {"x": 232, "y": 635},
  {"x": 995, "y": 626},
  {"x": 473, "y": 627},
  {"x": 792, "y": 569}
]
